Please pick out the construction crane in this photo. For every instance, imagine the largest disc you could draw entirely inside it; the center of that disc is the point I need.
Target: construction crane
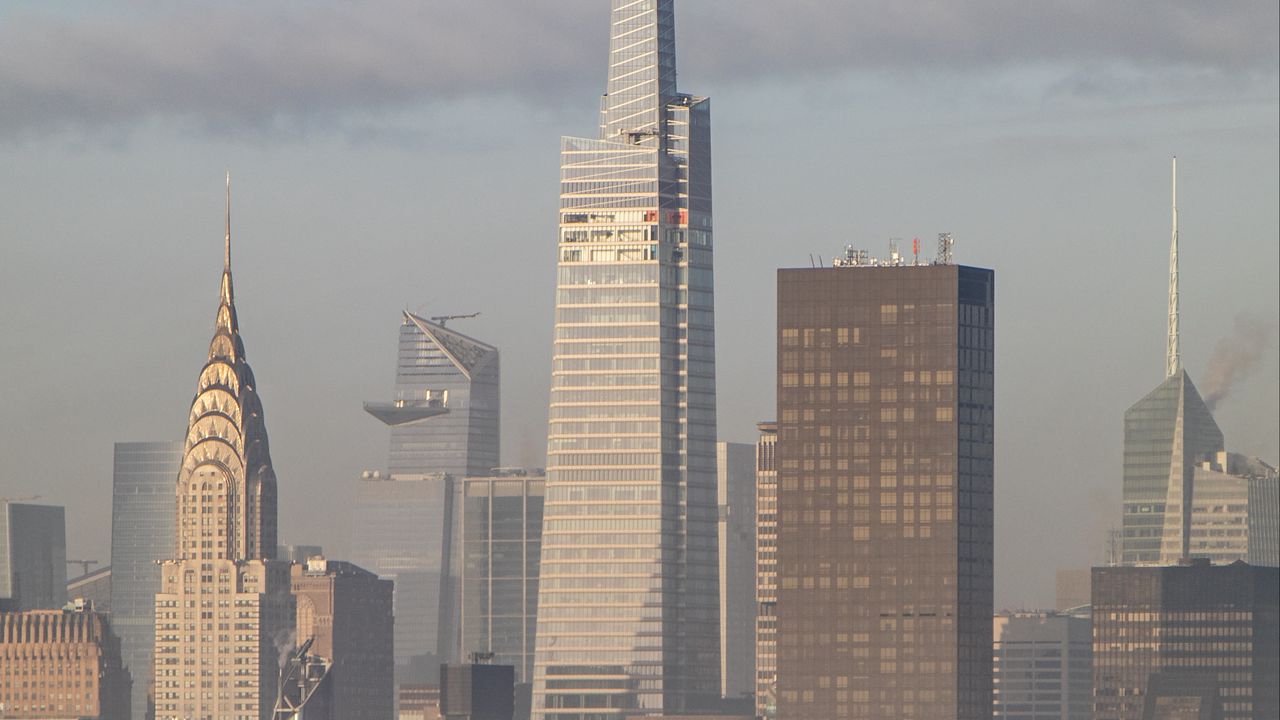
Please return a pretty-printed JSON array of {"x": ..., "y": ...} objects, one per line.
[
  {"x": 84, "y": 565},
  {"x": 442, "y": 319}
]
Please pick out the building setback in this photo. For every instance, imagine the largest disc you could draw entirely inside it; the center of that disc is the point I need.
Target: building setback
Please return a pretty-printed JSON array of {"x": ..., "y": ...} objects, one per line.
[
  {"x": 501, "y": 547},
  {"x": 1042, "y": 667},
  {"x": 33, "y": 556},
  {"x": 224, "y": 612},
  {"x": 346, "y": 612},
  {"x": 628, "y": 600},
  {"x": 61, "y": 664},
  {"x": 735, "y": 493},
  {"x": 885, "y": 443},
  {"x": 1196, "y": 623},
  {"x": 767, "y": 570},
  {"x": 142, "y": 532},
  {"x": 95, "y": 587}
]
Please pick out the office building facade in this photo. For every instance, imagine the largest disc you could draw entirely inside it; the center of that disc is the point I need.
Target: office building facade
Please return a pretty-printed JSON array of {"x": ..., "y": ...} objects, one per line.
[
  {"x": 736, "y": 497},
  {"x": 1235, "y": 513},
  {"x": 1193, "y": 623},
  {"x": 444, "y": 423},
  {"x": 477, "y": 691},
  {"x": 61, "y": 664},
  {"x": 885, "y": 482},
  {"x": 345, "y": 611},
  {"x": 767, "y": 570},
  {"x": 1042, "y": 667},
  {"x": 501, "y": 548},
  {"x": 142, "y": 530},
  {"x": 629, "y": 600},
  {"x": 33, "y": 556},
  {"x": 224, "y": 611}
]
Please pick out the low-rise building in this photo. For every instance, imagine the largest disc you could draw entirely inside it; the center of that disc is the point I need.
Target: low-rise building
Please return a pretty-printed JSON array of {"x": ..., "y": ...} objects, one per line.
[{"x": 1042, "y": 667}]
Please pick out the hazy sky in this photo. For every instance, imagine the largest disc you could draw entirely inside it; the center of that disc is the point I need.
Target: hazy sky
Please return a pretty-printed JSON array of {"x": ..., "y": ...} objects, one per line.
[{"x": 405, "y": 155}]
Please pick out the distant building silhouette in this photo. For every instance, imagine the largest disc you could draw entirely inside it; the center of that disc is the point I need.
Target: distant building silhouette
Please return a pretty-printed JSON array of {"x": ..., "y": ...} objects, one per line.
[
  {"x": 1042, "y": 667},
  {"x": 736, "y": 495},
  {"x": 33, "y": 556}
]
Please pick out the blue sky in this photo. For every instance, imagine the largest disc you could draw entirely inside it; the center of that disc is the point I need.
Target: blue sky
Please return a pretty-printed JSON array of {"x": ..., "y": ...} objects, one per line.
[{"x": 407, "y": 158}]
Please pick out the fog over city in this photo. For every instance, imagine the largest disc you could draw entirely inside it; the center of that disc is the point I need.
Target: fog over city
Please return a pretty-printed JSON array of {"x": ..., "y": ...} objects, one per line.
[{"x": 405, "y": 157}]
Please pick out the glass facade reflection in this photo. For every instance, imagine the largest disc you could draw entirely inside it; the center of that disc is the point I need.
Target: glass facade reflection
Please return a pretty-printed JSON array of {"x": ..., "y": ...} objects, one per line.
[
  {"x": 142, "y": 532},
  {"x": 885, "y": 487},
  {"x": 1165, "y": 434},
  {"x": 628, "y": 603},
  {"x": 501, "y": 548}
]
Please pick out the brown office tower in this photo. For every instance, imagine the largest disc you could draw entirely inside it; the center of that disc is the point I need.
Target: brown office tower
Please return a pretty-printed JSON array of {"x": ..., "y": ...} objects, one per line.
[
  {"x": 1180, "y": 629},
  {"x": 224, "y": 615},
  {"x": 61, "y": 664},
  {"x": 346, "y": 612},
  {"x": 885, "y": 439}
]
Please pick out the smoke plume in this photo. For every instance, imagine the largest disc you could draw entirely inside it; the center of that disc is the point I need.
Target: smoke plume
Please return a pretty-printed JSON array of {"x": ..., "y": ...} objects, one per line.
[
  {"x": 1235, "y": 356},
  {"x": 285, "y": 642}
]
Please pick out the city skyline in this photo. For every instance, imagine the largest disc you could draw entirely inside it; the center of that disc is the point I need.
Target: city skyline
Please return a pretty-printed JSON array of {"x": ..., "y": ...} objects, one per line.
[{"x": 1227, "y": 219}]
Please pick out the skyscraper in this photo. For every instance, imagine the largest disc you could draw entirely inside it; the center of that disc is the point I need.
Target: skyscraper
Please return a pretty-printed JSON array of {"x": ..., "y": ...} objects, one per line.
[
  {"x": 885, "y": 486},
  {"x": 33, "y": 556},
  {"x": 224, "y": 612},
  {"x": 1192, "y": 623},
  {"x": 736, "y": 494},
  {"x": 767, "y": 570},
  {"x": 142, "y": 532},
  {"x": 500, "y": 548},
  {"x": 628, "y": 600},
  {"x": 444, "y": 426},
  {"x": 1165, "y": 435}
]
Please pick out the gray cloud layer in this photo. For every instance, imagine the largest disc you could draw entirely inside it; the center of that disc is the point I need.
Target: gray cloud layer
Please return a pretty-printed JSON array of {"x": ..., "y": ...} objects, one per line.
[{"x": 242, "y": 64}]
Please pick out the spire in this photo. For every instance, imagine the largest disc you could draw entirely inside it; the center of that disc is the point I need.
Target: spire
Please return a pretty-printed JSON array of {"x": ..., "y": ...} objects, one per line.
[
  {"x": 226, "y": 252},
  {"x": 642, "y": 69},
  {"x": 1174, "y": 359}
]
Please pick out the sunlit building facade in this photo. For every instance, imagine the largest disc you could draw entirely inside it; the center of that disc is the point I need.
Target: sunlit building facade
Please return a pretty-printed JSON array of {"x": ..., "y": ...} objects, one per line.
[
  {"x": 885, "y": 492},
  {"x": 224, "y": 613},
  {"x": 767, "y": 570},
  {"x": 628, "y": 597}
]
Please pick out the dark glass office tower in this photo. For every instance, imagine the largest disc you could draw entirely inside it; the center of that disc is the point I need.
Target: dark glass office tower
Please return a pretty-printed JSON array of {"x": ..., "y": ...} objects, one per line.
[
  {"x": 1190, "y": 625},
  {"x": 628, "y": 605},
  {"x": 33, "y": 556},
  {"x": 885, "y": 480},
  {"x": 501, "y": 547},
  {"x": 444, "y": 426},
  {"x": 142, "y": 532}
]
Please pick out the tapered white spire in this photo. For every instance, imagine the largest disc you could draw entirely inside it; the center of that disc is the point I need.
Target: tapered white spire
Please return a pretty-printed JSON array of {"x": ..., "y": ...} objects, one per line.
[
  {"x": 1174, "y": 359},
  {"x": 226, "y": 252}
]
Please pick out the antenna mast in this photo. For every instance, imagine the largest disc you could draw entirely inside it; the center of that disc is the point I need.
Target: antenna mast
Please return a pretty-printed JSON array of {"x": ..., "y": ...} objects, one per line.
[{"x": 1174, "y": 360}]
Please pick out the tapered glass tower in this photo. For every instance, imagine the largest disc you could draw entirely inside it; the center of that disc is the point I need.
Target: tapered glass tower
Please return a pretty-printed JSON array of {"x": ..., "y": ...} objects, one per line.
[{"x": 628, "y": 599}]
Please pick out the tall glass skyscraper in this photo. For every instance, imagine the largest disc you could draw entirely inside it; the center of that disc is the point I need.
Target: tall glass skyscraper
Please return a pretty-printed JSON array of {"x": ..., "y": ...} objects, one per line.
[
  {"x": 142, "y": 532},
  {"x": 628, "y": 598}
]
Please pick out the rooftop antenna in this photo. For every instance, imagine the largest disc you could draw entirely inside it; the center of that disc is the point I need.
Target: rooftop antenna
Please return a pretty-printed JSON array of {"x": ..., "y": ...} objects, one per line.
[
  {"x": 226, "y": 252},
  {"x": 944, "y": 248},
  {"x": 1173, "y": 361},
  {"x": 915, "y": 251}
]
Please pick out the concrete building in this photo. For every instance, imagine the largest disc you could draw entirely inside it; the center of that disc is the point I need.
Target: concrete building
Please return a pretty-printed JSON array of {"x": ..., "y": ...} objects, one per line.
[
  {"x": 1235, "y": 513},
  {"x": 736, "y": 496},
  {"x": 444, "y": 421},
  {"x": 143, "y": 514},
  {"x": 224, "y": 614},
  {"x": 500, "y": 550},
  {"x": 95, "y": 587},
  {"x": 33, "y": 556},
  {"x": 477, "y": 691},
  {"x": 1042, "y": 667},
  {"x": 629, "y": 539},
  {"x": 61, "y": 664},
  {"x": 345, "y": 611},
  {"x": 767, "y": 570},
  {"x": 885, "y": 475},
  {"x": 1199, "y": 622}
]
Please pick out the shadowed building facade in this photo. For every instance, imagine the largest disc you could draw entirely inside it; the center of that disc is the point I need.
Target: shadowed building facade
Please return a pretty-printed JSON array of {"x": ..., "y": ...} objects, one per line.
[
  {"x": 142, "y": 532},
  {"x": 885, "y": 482},
  {"x": 628, "y": 598},
  {"x": 1193, "y": 625},
  {"x": 224, "y": 613},
  {"x": 33, "y": 556}
]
